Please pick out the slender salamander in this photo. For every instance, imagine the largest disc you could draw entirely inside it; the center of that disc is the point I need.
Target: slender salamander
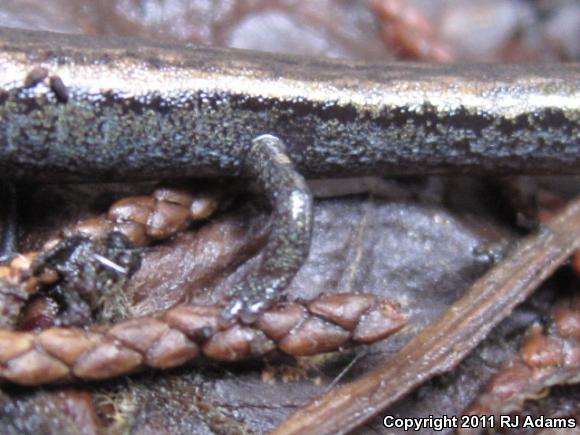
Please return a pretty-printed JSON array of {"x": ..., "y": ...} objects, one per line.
[{"x": 76, "y": 108}]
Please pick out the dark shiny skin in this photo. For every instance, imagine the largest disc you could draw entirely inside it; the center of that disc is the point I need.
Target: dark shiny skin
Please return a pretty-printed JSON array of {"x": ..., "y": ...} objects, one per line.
[
  {"x": 142, "y": 110},
  {"x": 289, "y": 242},
  {"x": 8, "y": 221},
  {"x": 74, "y": 108}
]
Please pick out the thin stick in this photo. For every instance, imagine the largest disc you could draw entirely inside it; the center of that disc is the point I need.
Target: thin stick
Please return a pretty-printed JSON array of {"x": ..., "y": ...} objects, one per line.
[{"x": 442, "y": 345}]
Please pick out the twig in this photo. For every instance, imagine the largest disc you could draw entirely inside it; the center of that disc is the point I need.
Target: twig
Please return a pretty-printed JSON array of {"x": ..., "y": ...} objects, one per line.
[{"x": 179, "y": 335}]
